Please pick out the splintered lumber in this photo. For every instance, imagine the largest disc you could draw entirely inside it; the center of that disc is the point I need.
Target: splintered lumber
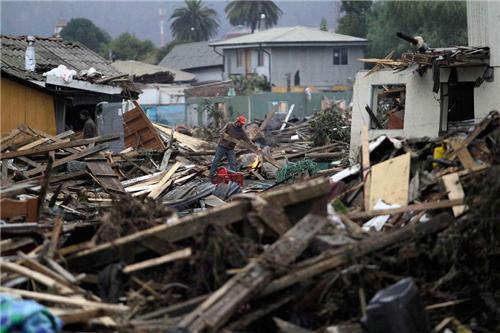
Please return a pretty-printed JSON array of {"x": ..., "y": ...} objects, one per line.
[
  {"x": 365, "y": 162},
  {"x": 390, "y": 181},
  {"x": 216, "y": 310},
  {"x": 163, "y": 184},
  {"x": 72, "y": 157},
  {"x": 410, "y": 208},
  {"x": 455, "y": 191},
  {"x": 59, "y": 145},
  {"x": 335, "y": 258},
  {"x": 181, "y": 254},
  {"x": 192, "y": 143},
  {"x": 274, "y": 217},
  {"x": 54, "y": 240},
  {"x": 79, "y": 302},
  {"x": 78, "y": 315},
  {"x": 34, "y": 275},
  {"x": 193, "y": 224}
]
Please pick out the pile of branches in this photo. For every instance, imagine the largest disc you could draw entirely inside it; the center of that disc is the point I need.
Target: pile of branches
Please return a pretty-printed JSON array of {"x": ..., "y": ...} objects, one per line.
[{"x": 330, "y": 125}]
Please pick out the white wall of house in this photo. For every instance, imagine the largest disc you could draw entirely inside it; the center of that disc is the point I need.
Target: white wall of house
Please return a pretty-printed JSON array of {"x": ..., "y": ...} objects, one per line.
[{"x": 483, "y": 27}]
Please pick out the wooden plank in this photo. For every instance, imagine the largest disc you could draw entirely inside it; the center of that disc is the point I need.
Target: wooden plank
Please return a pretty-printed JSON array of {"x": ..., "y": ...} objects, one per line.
[
  {"x": 56, "y": 234},
  {"x": 11, "y": 208},
  {"x": 64, "y": 300},
  {"x": 192, "y": 143},
  {"x": 105, "y": 176},
  {"x": 61, "y": 145},
  {"x": 455, "y": 191},
  {"x": 365, "y": 163},
  {"x": 410, "y": 208},
  {"x": 464, "y": 155},
  {"x": 181, "y": 254},
  {"x": 77, "y": 316},
  {"x": 162, "y": 185},
  {"x": 390, "y": 181},
  {"x": 193, "y": 224},
  {"x": 136, "y": 124},
  {"x": 36, "y": 276},
  {"x": 82, "y": 154}
]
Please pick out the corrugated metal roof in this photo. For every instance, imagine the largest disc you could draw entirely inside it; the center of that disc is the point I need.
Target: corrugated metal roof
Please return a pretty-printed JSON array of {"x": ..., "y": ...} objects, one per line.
[
  {"x": 288, "y": 35},
  {"x": 138, "y": 68},
  {"x": 49, "y": 53},
  {"x": 191, "y": 55}
]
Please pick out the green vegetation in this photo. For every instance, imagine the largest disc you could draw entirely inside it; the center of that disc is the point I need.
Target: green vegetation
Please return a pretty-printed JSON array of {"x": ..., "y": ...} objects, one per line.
[
  {"x": 252, "y": 13},
  {"x": 84, "y": 31},
  {"x": 194, "y": 23}
]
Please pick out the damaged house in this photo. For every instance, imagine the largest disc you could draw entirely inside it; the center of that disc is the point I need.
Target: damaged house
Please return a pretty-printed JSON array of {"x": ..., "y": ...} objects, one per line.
[
  {"x": 52, "y": 102},
  {"x": 432, "y": 92}
]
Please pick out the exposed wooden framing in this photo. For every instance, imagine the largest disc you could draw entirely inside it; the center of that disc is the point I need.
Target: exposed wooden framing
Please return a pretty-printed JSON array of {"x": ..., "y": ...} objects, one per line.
[
  {"x": 181, "y": 254},
  {"x": 163, "y": 184}
]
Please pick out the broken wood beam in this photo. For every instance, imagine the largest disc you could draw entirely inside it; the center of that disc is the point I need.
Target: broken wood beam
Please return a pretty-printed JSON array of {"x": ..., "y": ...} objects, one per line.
[
  {"x": 335, "y": 258},
  {"x": 79, "y": 302},
  {"x": 193, "y": 224},
  {"x": 164, "y": 182},
  {"x": 61, "y": 145},
  {"x": 410, "y": 208},
  {"x": 218, "y": 308},
  {"x": 181, "y": 254}
]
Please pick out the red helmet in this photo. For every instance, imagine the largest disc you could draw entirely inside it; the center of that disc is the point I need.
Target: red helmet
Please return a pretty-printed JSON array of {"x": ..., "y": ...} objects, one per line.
[{"x": 241, "y": 119}]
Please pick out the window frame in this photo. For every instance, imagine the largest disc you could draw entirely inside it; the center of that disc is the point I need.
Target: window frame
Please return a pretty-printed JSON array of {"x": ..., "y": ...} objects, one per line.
[
  {"x": 340, "y": 56},
  {"x": 239, "y": 58},
  {"x": 260, "y": 58}
]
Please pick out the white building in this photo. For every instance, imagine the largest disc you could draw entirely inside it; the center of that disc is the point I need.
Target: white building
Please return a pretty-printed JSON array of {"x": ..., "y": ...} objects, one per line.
[{"x": 468, "y": 90}]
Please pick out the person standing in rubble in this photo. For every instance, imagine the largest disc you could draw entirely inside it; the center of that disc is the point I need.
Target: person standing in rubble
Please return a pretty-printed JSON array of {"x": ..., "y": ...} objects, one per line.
[
  {"x": 89, "y": 128},
  {"x": 226, "y": 146}
]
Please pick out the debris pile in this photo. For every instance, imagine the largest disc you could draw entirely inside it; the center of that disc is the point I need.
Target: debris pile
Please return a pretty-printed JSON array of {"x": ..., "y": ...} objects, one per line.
[{"x": 125, "y": 241}]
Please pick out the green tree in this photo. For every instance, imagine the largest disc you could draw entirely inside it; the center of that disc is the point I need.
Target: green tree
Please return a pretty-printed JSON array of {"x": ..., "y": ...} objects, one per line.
[
  {"x": 353, "y": 23},
  {"x": 323, "y": 24},
  {"x": 86, "y": 32},
  {"x": 439, "y": 23},
  {"x": 128, "y": 47},
  {"x": 193, "y": 23},
  {"x": 250, "y": 13}
]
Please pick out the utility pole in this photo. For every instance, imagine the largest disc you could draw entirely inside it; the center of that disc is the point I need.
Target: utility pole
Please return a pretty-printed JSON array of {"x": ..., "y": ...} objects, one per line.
[{"x": 161, "y": 12}]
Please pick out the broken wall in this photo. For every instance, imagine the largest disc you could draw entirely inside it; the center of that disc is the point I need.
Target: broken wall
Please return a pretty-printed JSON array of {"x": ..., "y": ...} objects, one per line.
[{"x": 422, "y": 109}]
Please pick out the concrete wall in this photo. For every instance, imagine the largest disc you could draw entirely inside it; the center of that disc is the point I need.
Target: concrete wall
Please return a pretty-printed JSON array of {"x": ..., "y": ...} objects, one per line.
[
  {"x": 257, "y": 106},
  {"x": 422, "y": 107},
  {"x": 315, "y": 65},
  {"x": 422, "y": 113},
  {"x": 214, "y": 73}
]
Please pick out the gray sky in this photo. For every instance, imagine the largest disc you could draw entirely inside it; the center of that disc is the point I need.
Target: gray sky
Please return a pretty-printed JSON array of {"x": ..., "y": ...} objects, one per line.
[{"x": 139, "y": 17}]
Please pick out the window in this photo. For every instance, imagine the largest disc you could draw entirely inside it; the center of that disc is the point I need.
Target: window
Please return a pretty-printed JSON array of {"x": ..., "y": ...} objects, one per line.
[
  {"x": 239, "y": 56},
  {"x": 457, "y": 105},
  {"x": 388, "y": 106},
  {"x": 260, "y": 58},
  {"x": 340, "y": 55}
]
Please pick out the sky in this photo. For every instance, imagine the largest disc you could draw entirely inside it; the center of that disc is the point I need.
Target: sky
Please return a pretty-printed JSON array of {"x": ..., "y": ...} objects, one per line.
[{"x": 140, "y": 17}]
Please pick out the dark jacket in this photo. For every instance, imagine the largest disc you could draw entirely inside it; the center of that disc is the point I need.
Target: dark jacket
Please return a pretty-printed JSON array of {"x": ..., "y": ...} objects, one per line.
[
  {"x": 89, "y": 129},
  {"x": 233, "y": 131}
]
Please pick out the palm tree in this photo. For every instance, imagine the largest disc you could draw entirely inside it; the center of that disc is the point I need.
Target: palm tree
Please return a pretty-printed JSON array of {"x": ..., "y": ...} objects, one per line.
[
  {"x": 194, "y": 23},
  {"x": 250, "y": 13}
]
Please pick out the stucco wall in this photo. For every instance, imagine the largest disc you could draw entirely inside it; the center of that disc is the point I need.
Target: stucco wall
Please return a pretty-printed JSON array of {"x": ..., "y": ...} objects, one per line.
[{"x": 483, "y": 27}]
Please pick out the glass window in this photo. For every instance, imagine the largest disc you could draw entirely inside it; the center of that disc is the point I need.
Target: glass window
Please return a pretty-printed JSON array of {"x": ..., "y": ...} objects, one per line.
[
  {"x": 343, "y": 56},
  {"x": 238, "y": 58},
  {"x": 260, "y": 56},
  {"x": 340, "y": 55}
]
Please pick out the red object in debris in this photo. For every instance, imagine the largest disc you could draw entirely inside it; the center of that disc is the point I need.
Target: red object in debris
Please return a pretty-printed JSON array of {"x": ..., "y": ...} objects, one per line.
[{"x": 225, "y": 176}]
